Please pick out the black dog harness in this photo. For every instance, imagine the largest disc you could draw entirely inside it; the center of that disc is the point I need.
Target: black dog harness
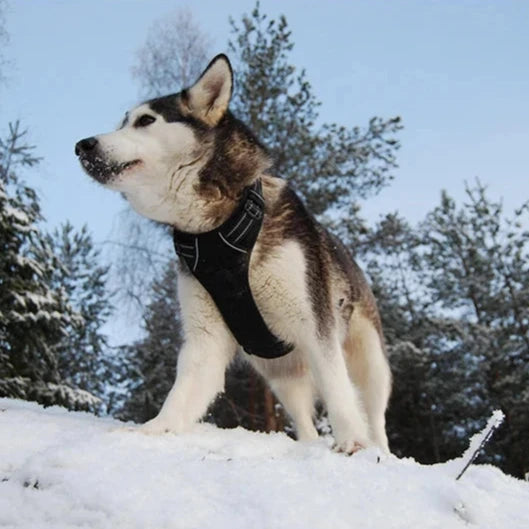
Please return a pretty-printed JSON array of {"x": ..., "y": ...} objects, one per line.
[{"x": 220, "y": 259}]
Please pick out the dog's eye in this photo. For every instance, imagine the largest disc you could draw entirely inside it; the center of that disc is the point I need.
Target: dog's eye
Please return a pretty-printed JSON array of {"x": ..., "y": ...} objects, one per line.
[{"x": 144, "y": 121}]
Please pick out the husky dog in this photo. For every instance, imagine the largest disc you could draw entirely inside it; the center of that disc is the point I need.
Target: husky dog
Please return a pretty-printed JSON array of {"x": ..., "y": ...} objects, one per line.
[{"x": 185, "y": 161}]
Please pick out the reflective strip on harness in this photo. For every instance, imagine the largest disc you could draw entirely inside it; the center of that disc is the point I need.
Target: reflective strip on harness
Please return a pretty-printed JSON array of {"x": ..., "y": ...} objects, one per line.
[{"x": 220, "y": 259}]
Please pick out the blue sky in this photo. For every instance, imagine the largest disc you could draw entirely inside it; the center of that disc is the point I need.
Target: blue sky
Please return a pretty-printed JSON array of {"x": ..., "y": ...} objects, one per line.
[{"x": 456, "y": 71}]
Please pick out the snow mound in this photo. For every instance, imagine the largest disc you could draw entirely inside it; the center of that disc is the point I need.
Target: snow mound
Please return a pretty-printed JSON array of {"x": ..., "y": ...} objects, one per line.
[{"x": 60, "y": 469}]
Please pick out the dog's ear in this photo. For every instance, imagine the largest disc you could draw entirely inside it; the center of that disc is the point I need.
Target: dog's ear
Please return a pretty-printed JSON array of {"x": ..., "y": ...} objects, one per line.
[{"x": 209, "y": 97}]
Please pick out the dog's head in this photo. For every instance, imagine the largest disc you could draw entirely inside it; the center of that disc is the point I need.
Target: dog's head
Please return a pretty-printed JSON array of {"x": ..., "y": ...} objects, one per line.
[{"x": 167, "y": 159}]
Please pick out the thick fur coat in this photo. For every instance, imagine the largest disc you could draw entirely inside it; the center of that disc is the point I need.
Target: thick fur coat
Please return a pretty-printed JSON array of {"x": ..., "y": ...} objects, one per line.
[{"x": 184, "y": 160}]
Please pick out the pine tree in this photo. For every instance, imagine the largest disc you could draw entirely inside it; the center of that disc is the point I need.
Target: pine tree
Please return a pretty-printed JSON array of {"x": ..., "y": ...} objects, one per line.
[
  {"x": 33, "y": 316},
  {"x": 392, "y": 251},
  {"x": 453, "y": 299},
  {"x": 330, "y": 165},
  {"x": 83, "y": 351},
  {"x": 479, "y": 262}
]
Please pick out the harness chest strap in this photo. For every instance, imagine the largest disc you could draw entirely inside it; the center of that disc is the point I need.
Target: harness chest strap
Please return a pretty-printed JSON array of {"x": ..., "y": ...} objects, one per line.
[{"x": 220, "y": 260}]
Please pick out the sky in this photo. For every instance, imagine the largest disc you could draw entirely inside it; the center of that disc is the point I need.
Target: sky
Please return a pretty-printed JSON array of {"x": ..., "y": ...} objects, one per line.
[{"x": 455, "y": 71}]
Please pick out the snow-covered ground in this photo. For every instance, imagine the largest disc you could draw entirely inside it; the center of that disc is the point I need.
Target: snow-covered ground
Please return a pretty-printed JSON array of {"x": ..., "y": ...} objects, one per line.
[{"x": 63, "y": 470}]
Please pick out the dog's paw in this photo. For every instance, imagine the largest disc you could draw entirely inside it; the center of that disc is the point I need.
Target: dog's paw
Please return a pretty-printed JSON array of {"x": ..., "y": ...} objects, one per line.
[
  {"x": 155, "y": 426},
  {"x": 348, "y": 447},
  {"x": 351, "y": 438}
]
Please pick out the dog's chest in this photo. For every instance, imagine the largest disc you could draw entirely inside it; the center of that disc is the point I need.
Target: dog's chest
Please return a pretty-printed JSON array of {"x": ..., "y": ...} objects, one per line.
[{"x": 278, "y": 284}]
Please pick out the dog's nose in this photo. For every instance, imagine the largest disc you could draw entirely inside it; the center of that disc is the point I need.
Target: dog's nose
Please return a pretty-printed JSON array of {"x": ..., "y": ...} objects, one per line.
[{"x": 85, "y": 146}]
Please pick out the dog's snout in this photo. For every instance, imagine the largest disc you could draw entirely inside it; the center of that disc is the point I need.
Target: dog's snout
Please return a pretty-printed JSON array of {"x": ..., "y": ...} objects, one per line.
[{"x": 85, "y": 146}]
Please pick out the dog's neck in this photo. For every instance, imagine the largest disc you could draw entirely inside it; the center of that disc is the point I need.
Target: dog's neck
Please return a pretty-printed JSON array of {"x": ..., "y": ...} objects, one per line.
[{"x": 185, "y": 207}]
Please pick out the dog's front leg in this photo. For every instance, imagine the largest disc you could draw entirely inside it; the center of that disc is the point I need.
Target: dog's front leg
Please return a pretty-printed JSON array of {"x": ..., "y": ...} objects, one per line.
[
  {"x": 200, "y": 377},
  {"x": 208, "y": 349}
]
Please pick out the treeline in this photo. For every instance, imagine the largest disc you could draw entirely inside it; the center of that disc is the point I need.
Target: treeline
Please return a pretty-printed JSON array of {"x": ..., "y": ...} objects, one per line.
[
  {"x": 53, "y": 297},
  {"x": 453, "y": 290}
]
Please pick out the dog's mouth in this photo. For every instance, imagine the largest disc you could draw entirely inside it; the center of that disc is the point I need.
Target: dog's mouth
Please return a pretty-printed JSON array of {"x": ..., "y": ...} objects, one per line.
[
  {"x": 104, "y": 171},
  {"x": 128, "y": 165}
]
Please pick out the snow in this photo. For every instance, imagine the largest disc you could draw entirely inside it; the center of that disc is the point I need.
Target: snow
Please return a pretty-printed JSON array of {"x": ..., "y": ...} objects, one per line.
[
  {"x": 17, "y": 214},
  {"x": 61, "y": 469},
  {"x": 38, "y": 300}
]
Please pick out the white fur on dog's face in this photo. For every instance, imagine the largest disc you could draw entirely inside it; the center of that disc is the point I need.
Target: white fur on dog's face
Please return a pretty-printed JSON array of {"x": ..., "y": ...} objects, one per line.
[
  {"x": 155, "y": 158},
  {"x": 161, "y": 154}
]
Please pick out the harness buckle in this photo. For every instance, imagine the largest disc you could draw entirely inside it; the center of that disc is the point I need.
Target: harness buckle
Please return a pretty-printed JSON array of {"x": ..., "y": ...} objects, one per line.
[{"x": 253, "y": 208}]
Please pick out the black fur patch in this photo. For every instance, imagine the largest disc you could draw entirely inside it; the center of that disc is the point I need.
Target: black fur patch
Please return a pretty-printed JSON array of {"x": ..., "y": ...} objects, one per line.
[{"x": 169, "y": 107}]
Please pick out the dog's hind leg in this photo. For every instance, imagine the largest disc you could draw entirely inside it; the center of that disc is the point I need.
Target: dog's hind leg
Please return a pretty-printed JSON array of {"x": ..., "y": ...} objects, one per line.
[
  {"x": 340, "y": 396},
  {"x": 296, "y": 395},
  {"x": 369, "y": 370}
]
